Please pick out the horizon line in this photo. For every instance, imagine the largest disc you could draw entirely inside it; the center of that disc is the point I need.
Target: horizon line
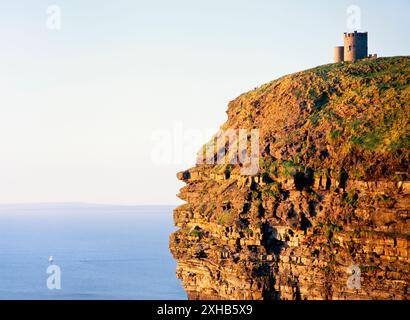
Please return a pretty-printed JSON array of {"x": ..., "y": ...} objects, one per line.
[{"x": 79, "y": 203}]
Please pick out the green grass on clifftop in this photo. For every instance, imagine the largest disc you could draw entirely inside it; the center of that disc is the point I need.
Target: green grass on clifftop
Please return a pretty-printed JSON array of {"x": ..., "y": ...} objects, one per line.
[{"x": 352, "y": 116}]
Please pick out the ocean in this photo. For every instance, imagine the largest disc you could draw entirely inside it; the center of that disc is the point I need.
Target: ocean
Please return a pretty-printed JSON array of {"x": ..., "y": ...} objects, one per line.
[{"x": 102, "y": 252}]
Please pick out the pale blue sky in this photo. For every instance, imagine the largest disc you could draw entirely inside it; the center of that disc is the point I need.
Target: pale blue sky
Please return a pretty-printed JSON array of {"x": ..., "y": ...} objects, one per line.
[{"x": 79, "y": 107}]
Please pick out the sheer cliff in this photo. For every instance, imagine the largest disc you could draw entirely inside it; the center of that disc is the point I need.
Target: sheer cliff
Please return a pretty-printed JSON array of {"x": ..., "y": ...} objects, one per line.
[{"x": 331, "y": 196}]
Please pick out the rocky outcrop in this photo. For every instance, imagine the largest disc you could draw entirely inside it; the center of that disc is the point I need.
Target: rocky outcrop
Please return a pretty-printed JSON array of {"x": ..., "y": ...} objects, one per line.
[{"x": 331, "y": 195}]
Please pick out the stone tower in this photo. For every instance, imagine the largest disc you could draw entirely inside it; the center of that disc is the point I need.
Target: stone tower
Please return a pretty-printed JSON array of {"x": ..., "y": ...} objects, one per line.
[
  {"x": 339, "y": 54},
  {"x": 355, "y": 46}
]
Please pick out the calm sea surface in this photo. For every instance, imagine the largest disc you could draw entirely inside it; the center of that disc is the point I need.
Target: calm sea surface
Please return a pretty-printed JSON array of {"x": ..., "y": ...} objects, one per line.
[{"x": 104, "y": 252}]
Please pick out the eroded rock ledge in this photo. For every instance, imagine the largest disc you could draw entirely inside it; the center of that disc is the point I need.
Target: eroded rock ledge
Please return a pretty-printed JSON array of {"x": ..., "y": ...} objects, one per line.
[{"x": 332, "y": 192}]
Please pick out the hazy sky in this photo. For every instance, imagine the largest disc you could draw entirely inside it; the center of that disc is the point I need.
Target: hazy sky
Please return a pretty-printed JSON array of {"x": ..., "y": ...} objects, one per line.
[{"x": 86, "y": 111}]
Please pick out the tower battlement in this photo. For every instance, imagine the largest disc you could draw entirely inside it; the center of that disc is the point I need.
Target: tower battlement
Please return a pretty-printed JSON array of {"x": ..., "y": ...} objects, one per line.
[{"x": 355, "y": 34}]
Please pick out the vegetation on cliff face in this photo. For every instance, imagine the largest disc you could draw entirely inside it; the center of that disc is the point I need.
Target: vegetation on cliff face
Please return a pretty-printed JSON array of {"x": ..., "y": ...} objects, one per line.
[{"x": 332, "y": 191}]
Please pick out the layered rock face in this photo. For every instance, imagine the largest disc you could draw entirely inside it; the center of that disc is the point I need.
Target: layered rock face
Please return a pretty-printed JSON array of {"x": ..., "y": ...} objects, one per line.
[{"x": 327, "y": 215}]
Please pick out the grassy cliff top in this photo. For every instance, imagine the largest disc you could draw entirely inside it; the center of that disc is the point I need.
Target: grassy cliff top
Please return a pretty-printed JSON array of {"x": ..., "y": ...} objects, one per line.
[{"x": 351, "y": 116}]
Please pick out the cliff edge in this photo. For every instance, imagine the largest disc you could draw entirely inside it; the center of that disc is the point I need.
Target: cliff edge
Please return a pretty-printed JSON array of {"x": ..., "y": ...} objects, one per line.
[{"x": 331, "y": 199}]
